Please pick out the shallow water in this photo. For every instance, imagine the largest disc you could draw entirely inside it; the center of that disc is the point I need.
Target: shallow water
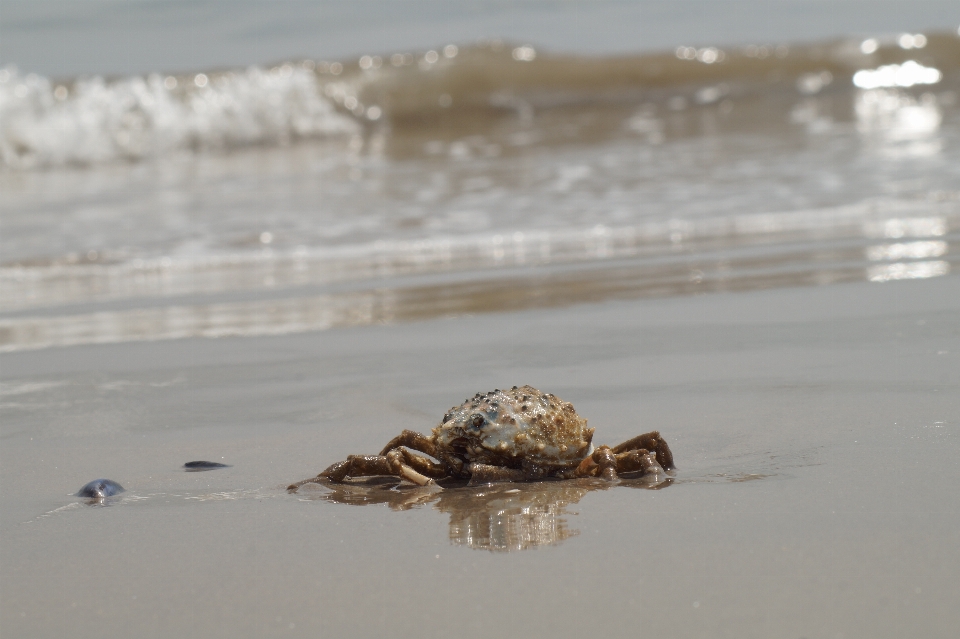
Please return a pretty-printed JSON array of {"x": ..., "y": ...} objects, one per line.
[
  {"x": 752, "y": 187},
  {"x": 318, "y": 193}
]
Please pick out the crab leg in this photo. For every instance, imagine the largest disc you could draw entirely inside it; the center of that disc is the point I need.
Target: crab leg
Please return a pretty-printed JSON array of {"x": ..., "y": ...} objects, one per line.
[
  {"x": 398, "y": 462},
  {"x": 601, "y": 463},
  {"x": 394, "y": 459},
  {"x": 423, "y": 465},
  {"x": 358, "y": 466},
  {"x": 607, "y": 464},
  {"x": 412, "y": 439},
  {"x": 649, "y": 441},
  {"x": 354, "y": 465},
  {"x": 634, "y": 460},
  {"x": 400, "y": 469}
]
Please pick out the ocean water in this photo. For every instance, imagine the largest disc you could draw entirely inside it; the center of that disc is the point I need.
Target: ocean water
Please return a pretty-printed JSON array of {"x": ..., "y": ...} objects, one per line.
[{"x": 198, "y": 174}]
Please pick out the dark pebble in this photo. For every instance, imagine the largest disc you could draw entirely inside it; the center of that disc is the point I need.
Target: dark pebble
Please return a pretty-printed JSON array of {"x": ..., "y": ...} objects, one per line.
[
  {"x": 198, "y": 466},
  {"x": 100, "y": 488}
]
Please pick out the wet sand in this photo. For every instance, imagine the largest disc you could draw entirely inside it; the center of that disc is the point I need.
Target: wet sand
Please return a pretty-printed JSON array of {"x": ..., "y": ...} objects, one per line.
[{"x": 816, "y": 432}]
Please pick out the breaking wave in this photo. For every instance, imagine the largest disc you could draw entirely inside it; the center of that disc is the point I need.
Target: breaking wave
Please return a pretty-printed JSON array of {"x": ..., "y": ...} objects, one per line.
[
  {"x": 93, "y": 120},
  {"x": 88, "y": 121}
]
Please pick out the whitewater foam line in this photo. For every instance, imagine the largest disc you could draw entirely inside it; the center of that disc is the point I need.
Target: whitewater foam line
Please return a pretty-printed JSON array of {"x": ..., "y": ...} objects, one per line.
[
  {"x": 56, "y": 285},
  {"x": 93, "y": 120}
]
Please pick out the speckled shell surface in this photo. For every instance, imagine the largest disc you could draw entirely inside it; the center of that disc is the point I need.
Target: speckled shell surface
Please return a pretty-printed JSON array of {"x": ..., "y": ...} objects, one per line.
[{"x": 518, "y": 427}]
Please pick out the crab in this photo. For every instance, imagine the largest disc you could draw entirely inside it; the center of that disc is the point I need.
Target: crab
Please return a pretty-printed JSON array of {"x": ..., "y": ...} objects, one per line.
[{"x": 516, "y": 435}]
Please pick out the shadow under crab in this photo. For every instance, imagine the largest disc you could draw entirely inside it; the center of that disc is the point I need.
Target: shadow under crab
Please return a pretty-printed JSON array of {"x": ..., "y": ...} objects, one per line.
[{"x": 516, "y": 435}]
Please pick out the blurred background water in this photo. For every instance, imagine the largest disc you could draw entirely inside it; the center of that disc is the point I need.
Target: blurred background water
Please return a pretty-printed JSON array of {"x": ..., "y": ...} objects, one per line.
[{"x": 172, "y": 169}]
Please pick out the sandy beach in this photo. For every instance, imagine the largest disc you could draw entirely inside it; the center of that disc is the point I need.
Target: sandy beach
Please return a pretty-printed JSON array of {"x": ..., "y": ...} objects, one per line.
[
  {"x": 815, "y": 430},
  {"x": 272, "y": 235}
]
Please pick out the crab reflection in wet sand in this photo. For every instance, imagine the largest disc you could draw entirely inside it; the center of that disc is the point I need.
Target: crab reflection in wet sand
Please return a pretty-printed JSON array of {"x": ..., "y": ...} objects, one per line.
[
  {"x": 519, "y": 434},
  {"x": 496, "y": 518}
]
